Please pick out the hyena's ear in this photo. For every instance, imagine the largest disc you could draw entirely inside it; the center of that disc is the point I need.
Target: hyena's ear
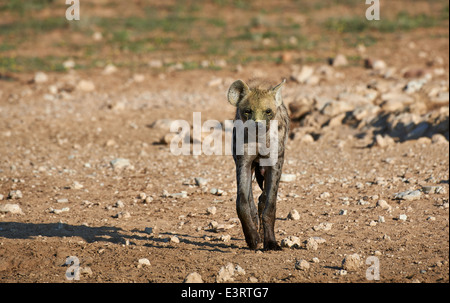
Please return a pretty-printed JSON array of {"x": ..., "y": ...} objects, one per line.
[
  {"x": 237, "y": 91},
  {"x": 277, "y": 91}
]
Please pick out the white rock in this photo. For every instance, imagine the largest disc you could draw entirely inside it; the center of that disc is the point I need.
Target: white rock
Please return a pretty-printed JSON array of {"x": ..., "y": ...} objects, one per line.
[
  {"x": 40, "y": 77},
  {"x": 305, "y": 73},
  {"x": 239, "y": 270},
  {"x": 287, "y": 177},
  {"x": 120, "y": 163},
  {"x": 174, "y": 239},
  {"x": 193, "y": 277},
  {"x": 15, "y": 194},
  {"x": 11, "y": 208},
  {"x": 76, "y": 185},
  {"x": 293, "y": 215},
  {"x": 144, "y": 261},
  {"x": 291, "y": 242},
  {"x": 340, "y": 60},
  {"x": 408, "y": 195},
  {"x": 109, "y": 69},
  {"x": 86, "y": 86},
  {"x": 62, "y": 200},
  {"x": 325, "y": 195},
  {"x": 325, "y": 226},
  {"x": 200, "y": 181},
  {"x": 59, "y": 211},
  {"x": 211, "y": 210},
  {"x": 312, "y": 243},
  {"x": 383, "y": 204},
  {"x": 69, "y": 64},
  {"x": 226, "y": 273},
  {"x": 402, "y": 217}
]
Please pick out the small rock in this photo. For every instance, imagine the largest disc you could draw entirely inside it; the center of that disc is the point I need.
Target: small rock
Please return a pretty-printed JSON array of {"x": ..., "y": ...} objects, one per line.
[
  {"x": 11, "y": 208},
  {"x": 40, "y": 77},
  {"x": 121, "y": 215},
  {"x": 225, "y": 238},
  {"x": 341, "y": 272},
  {"x": 109, "y": 69},
  {"x": 287, "y": 177},
  {"x": 343, "y": 212},
  {"x": 86, "y": 86},
  {"x": 402, "y": 217},
  {"x": 200, "y": 181},
  {"x": 119, "y": 204},
  {"x": 225, "y": 273},
  {"x": 384, "y": 205},
  {"x": 76, "y": 185},
  {"x": 302, "y": 265},
  {"x": 144, "y": 261},
  {"x": 15, "y": 194},
  {"x": 325, "y": 226},
  {"x": 351, "y": 262},
  {"x": 193, "y": 277},
  {"x": 59, "y": 211},
  {"x": 148, "y": 230},
  {"x": 383, "y": 141},
  {"x": 431, "y": 218},
  {"x": 211, "y": 210},
  {"x": 438, "y": 139},
  {"x": 253, "y": 280},
  {"x": 239, "y": 270},
  {"x": 305, "y": 73},
  {"x": 291, "y": 242},
  {"x": 174, "y": 239},
  {"x": 408, "y": 195},
  {"x": 339, "y": 60},
  {"x": 120, "y": 163},
  {"x": 433, "y": 190},
  {"x": 312, "y": 243},
  {"x": 62, "y": 200},
  {"x": 325, "y": 195},
  {"x": 293, "y": 215}
]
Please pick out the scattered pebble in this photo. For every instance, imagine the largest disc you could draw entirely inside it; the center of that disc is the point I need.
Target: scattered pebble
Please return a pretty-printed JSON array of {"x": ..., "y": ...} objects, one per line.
[
  {"x": 11, "y": 208},
  {"x": 302, "y": 265},
  {"x": 351, "y": 262},
  {"x": 193, "y": 277},
  {"x": 144, "y": 262},
  {"x": 293, "y": 215},
  {"x": 325, "y": 226},
  {"x": 402, "y": 217},
  {"x": 211, "y": 210},
  {"x": 287, "y": 177},
  {"x": 291, "y": 242},
  {"x": 15, "y": 194},
  {"x": 408, "y": 195},
  {"x": 200, "y": 181}
]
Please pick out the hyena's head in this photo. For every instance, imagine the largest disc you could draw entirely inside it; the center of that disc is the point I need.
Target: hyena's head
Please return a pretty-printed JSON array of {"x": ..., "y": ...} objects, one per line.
[{"x": 255, "y": 103}]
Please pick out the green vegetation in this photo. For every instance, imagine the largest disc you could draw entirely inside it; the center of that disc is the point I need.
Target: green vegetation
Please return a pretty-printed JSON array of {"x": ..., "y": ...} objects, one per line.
[{"x": 187, "y": 28}]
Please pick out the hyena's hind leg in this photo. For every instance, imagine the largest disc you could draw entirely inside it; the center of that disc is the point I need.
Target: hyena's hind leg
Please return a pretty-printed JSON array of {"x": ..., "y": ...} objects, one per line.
[{"x": 259, "y": 174}]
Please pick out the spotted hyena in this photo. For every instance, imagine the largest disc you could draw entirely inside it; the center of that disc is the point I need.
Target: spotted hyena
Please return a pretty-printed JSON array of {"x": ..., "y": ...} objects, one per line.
[{"x": 262, "y": 104}]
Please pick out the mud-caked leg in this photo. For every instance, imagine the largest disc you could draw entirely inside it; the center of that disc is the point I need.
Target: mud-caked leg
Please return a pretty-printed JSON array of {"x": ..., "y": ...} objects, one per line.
[
  {"x": 245, "y": 205},
  {"x": 272, "y": 179}
]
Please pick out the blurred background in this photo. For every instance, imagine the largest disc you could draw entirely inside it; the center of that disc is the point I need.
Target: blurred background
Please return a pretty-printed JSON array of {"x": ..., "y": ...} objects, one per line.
[{"x": 206, "y": 34}]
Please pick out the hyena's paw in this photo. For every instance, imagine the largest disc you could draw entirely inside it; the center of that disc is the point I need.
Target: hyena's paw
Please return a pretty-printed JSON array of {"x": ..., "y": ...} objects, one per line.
[{"x": 272, "y": 245}]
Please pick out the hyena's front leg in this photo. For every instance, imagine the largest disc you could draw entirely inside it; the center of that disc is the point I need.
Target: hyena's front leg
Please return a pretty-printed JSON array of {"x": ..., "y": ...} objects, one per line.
[
  {"x": 272, "y": 179},
  {"x": 245, "y": 205}
]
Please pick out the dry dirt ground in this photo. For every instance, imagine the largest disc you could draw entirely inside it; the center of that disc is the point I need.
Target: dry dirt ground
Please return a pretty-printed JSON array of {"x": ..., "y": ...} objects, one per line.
[{"x": 58, "y": 144}]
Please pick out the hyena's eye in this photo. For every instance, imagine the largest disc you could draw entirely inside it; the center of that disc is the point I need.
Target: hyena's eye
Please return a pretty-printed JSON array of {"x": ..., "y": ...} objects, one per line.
[
  {"x": 247, "y": 111},
  {"x": 268, "y": 111}
]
